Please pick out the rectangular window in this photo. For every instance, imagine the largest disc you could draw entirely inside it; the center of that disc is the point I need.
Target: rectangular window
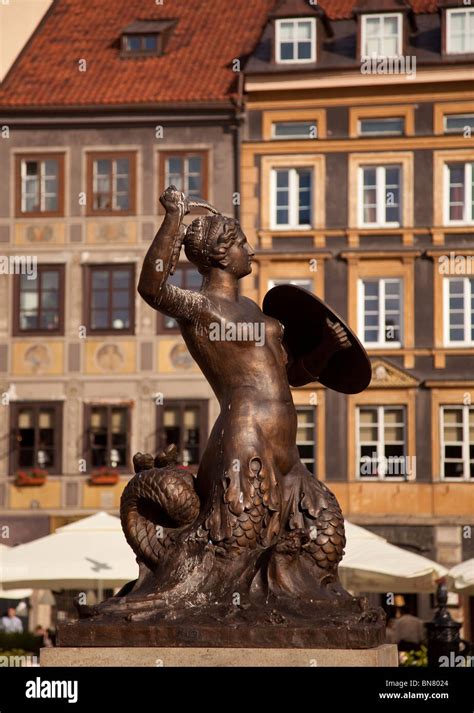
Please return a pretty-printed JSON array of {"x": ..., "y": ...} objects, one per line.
[
  {"x": 292, "y": 197},
  {"x": 460, "y": 31},
  {"x": 36, "y": 436},
  {"x": 382, "y": 127},
  {"x": 108, "y": 436},
  {"x": 40, "y": 185},
  {"x": 381, "y": 442},
  {"x": 188, "y": 278},
  {"x": 306, "y": 284},
  {"x": 294, "y": 130},
  {"x": 457, "y": 447},
  {"x": 380, "y": 200},
  {"x": 183, "y": 423},
  {"x": 185, "y": 170},
  {"x": 459, "y": 124},
  {"x": 110, "y": 298},
  {"x": 459, "y": 311},
  {"x": 459, "y": 201},
  {"x": 296, "y": 40},
  {"x": 306, "y": 436},
  {"x": 380, "y": 312},
  {"x": 111, "y": 179},
  {"x": 381, "y": 35},
  {"x": 39, "y": 302},
  {"x": 140, "y": 44}
]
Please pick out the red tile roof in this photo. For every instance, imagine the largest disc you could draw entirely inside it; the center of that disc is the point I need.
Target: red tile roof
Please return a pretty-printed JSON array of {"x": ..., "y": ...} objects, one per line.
[{"x": 196, "y": 67}]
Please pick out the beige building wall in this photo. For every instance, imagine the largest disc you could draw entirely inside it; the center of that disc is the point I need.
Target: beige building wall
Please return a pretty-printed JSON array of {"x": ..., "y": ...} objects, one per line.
[{"x": 18, "y": 21}]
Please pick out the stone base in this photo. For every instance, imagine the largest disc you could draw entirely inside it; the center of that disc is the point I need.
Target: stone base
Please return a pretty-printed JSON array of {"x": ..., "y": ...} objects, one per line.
[
  {"x": 337, "y": 623},
  {"x": 385, "y": 655}
]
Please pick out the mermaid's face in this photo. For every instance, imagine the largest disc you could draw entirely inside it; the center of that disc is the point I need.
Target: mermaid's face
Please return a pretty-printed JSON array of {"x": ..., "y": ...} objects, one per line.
[{"x": 240, "y": 256}]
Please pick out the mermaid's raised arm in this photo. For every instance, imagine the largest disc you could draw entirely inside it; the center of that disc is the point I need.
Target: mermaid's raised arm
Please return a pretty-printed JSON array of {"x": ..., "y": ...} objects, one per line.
[{"x": 161, "y": 260}]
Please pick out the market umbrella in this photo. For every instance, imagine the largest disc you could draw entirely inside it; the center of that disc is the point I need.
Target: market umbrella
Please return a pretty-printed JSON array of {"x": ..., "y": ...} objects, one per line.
[
  {"x": 461, "y": 578},
  {"x": 93, "y": 553},
  {"x": 11, "y": 593},
  {"x": 88, "y": 554},
  {"x": 371, "y": 564}
]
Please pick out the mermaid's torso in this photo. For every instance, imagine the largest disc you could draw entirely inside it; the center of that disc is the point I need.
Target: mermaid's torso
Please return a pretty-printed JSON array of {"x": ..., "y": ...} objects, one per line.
[{"x": 242, "y": 356}]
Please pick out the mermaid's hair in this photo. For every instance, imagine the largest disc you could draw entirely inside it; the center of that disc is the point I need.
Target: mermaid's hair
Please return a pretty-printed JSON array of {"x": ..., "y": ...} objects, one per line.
[{"x": 208, "y": 238}]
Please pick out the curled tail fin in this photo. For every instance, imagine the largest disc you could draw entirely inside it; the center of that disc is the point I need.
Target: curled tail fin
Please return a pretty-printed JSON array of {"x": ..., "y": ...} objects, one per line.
[{"x": 158, "y": 500}]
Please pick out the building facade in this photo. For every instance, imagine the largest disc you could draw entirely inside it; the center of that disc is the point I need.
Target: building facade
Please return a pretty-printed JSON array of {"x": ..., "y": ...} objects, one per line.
[
  {"x": 92, "y": 133},
  {"x": 356, "y": 180},
  {"x": 341, "y": 133}
]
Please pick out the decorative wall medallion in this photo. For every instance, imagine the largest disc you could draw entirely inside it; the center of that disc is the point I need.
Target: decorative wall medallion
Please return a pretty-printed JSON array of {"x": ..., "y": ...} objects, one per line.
[
  {"x": 111, "y": 232},
  {"x": 180, "y": 357},
  {"x": 380, "y": 372},
  {"x": 110, "y": 357},
  {"x": 39, "y": 233},
  {"x": 38, "y": 357},
  {"x": 385, "y": 374}
]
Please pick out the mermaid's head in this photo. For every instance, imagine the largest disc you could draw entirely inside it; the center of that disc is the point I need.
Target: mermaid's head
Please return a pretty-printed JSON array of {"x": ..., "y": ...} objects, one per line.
[{"x": 215, "y": 241}]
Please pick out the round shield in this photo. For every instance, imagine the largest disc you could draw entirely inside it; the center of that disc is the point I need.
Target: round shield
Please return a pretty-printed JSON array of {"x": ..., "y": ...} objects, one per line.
[{"x": 303, "y": 315}]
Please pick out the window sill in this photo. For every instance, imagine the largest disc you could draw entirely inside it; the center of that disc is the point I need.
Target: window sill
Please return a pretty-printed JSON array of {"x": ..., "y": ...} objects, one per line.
[
  {"x": 389, "y": 479},
  {"x": 391, "y": 345},
  {"x": 286, "y": 62},
  {"x": 111, "y": 213},
  {"x": 45, "y": 215},
  {"x": 380, "y": 226},
  {"x": 292, "y": 228},
  {"x": 448, "y": 481},
  {"x": 37, "y": 333},
  {"x": 459, "y": 345},
  {"x": 110, "y": 332}
]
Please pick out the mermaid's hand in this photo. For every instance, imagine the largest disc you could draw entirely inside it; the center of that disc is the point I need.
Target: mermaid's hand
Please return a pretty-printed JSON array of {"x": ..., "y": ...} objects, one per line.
[
  {"x": 174, "y": 201},
  {"x": 335, "y": 337}
]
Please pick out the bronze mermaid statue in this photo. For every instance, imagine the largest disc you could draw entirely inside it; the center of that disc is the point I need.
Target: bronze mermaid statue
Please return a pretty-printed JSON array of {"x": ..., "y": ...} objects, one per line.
[{"x": 255, "y": 526}]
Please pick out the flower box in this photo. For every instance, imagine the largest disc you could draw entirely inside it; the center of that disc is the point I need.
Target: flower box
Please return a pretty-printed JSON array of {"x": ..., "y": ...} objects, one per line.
[
  {"x": 30, "y": 478},
  {"x": 104, "y": 476}
]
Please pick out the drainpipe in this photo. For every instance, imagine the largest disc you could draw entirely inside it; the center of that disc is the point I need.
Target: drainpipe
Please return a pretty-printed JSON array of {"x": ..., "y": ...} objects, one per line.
[{"x": 237, "y": 138}]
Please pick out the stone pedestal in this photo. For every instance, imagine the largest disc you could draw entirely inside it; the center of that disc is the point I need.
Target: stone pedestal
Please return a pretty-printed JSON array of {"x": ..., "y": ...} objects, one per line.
[{"x": 384, "y": 655}]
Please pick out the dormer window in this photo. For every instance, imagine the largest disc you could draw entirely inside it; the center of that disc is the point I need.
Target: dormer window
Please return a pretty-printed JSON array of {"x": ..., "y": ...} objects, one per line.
[
  {"x": 381, "y": 35},
  {"x": 142, "y": 44},
  {"x": 295, "y": 40},
  {"x": 460, "y": 31},
  {"x": 146, "y": 37}
]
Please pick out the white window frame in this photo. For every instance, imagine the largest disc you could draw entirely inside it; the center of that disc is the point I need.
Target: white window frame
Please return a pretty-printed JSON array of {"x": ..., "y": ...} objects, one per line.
[
  {"x": 296, "y": 21},
  {"x": 114, "y": 176},
  {"x": 41, "y": 181},
  {"x": 293, "y": 191},
  {"x": 186, "y": 172},
  {"x": 295, "y": 137},
  {"x": 466, "y": 477},
  {"x": 379, "y": 344},
  {"x": 467, "y": 311},
  {"x": 468, "y": 218},
  {"x": 446, "y": 117},
  {"x": 449, "y": 14},
  {"x": 380, "y": 182},
  {"x": 381, "y": 17},
  {"x": 312, "y": 443},
  {"x": 380, "y": 133},
  {"x": 379, "y": 446}
]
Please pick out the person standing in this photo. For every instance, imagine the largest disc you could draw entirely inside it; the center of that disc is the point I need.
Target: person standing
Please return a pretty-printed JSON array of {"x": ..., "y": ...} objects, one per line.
[
  {"x": 11, "y": 623},
  {"x": 410, "y": 631}
]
